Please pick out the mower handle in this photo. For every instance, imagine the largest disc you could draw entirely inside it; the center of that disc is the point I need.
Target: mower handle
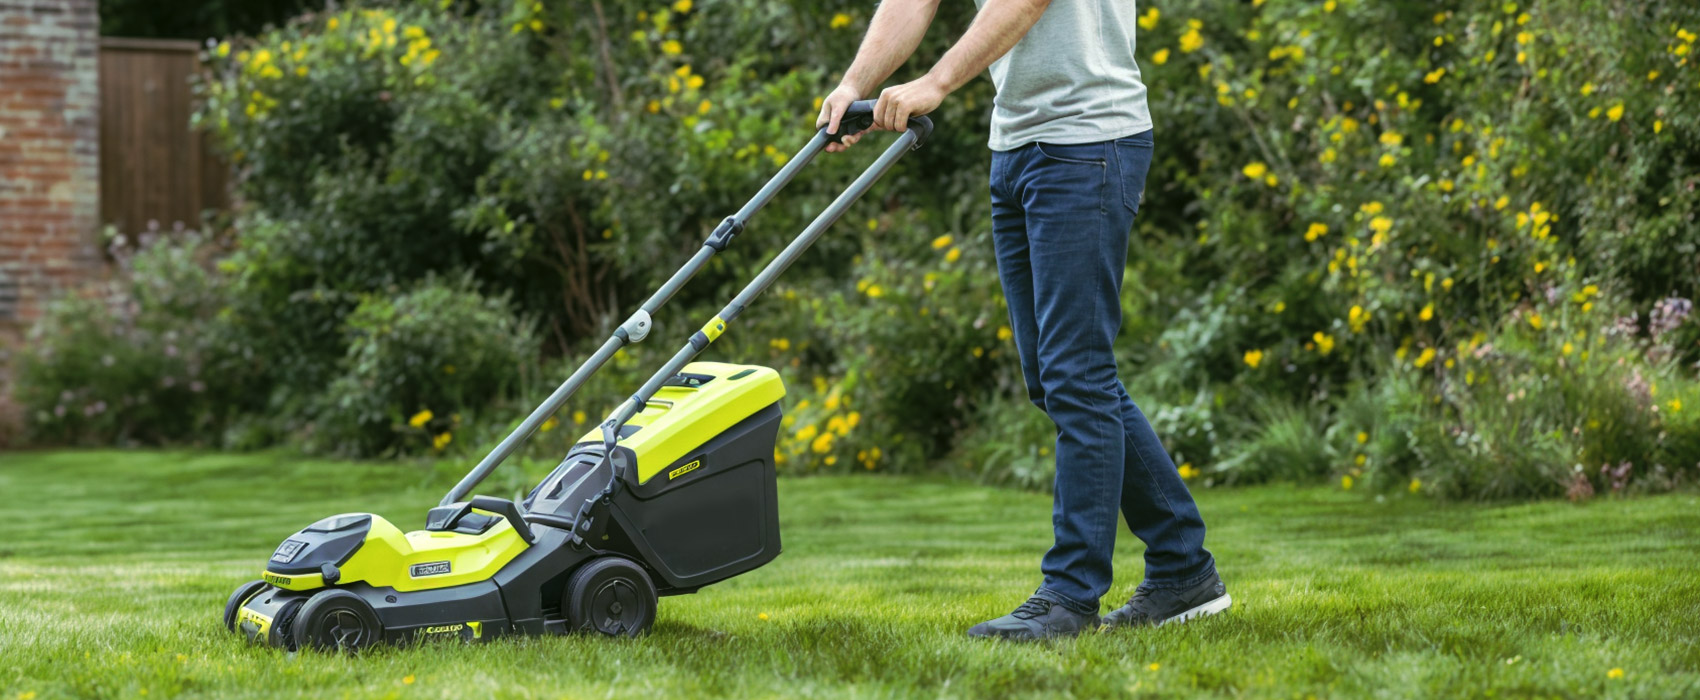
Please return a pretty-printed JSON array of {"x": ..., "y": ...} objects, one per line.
[
  {"x": 859, "y": 117},
  {"x": 508, "y": 511}
]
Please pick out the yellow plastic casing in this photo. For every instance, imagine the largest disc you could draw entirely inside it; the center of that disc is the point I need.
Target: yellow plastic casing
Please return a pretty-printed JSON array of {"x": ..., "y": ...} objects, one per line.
[{"x": 679, "y": 419}]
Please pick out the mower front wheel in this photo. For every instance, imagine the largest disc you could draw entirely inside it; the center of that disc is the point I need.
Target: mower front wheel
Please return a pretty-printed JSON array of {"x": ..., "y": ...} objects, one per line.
[
  {"x": 237, "y": 598},
  {"x": 611, "y": 596},
  {"x": 337, "y": 620}
]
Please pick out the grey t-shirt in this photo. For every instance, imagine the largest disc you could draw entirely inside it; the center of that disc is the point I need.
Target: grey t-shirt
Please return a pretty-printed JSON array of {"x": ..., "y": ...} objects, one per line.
[{"x": 1071, "y": 79}]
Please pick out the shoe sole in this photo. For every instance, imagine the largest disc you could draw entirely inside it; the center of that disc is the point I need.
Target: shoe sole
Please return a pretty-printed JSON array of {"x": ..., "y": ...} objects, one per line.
[{"x": 1210, "y": 608}]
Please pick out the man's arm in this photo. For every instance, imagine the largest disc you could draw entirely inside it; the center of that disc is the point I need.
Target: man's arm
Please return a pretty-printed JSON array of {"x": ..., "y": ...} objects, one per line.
[
  {"x": 996, "y": 28},
  {"x": 893, "y": 34}
]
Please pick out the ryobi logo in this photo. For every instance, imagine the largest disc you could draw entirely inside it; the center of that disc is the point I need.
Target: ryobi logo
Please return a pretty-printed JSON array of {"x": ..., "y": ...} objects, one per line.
[
  {"x": 444, "y": 629},
  {"x": 276, "y": 580},
  {"x": 684, "y": 469},
  {"x": 435, "y": 568}
]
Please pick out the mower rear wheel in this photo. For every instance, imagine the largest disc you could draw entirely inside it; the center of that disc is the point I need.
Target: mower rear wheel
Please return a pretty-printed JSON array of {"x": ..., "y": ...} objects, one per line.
[
  {"x": 237, "y": 598},
  {"x": 611, "y": 596},
  {"x": 336, "y": 620}
]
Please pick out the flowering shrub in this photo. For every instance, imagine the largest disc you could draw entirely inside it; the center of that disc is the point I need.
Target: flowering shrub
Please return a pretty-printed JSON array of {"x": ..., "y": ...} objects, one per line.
[
  {"x": 414, "y": 362},
  {"x": 142, "y": 358},
  {"x": 1407, "y": 247}
]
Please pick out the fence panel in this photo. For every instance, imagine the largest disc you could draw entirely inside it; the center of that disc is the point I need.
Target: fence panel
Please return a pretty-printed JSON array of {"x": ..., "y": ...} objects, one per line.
[{"x": 153, "y": 166}]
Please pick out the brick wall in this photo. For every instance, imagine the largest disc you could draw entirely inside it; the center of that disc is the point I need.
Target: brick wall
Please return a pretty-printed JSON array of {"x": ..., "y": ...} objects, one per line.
[{"x": 49, "y": 151}]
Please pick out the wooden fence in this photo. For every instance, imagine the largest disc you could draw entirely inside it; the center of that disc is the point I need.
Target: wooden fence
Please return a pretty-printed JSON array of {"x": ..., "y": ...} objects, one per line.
[{"x": 153, "y": 166}]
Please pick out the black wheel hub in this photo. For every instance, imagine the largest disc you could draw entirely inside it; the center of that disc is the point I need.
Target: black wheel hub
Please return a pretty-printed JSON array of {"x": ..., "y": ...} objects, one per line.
[
  {"x": 615, "y": 607},
  {"x": 343, "y": 631}
]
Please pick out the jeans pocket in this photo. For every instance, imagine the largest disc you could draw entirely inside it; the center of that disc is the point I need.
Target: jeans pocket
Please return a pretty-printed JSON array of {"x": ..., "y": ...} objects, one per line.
[
  {"x": 1133, "y": 154},
  {"x": 1079, "y": 153}
]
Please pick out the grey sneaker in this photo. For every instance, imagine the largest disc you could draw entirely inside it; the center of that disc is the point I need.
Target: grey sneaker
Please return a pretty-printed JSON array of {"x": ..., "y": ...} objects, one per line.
[
  {"x": 1036, "y": 619},
  {"x": 1156, "y": 607}
]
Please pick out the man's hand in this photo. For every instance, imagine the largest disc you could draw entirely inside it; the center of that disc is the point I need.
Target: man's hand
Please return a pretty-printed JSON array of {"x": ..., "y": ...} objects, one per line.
[
  {"x": 832, "y": 112},
  {"x": 912, "y": 99}
]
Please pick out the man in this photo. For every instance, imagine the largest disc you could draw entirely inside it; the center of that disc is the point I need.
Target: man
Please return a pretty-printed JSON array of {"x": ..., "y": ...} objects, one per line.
[{"x": 1071, "y": 143}]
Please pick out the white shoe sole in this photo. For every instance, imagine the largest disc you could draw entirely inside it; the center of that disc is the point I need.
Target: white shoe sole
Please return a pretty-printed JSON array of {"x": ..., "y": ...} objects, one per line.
[{"x": 1210, "y": 608}]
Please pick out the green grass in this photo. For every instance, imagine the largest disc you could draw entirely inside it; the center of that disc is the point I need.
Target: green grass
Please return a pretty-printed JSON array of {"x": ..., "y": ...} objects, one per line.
[{"x": 114, "y": 567}]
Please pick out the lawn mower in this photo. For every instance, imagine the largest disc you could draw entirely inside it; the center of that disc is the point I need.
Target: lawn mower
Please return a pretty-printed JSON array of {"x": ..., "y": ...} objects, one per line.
[{"x": 673, "y": 491}]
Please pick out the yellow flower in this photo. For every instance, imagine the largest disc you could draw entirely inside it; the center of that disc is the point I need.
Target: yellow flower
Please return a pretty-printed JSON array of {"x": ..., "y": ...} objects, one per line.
[
  {"x": 1675, "y": 405},
  {"x": 1154, "y": 666},
  {"x": 942, "y": 241},
  {"x": 1567, "y": 349},
  {"x": 549, "y": 425},
  {"x": 875, "y": 291},
  {"x": 1004, "y": 333},
  {"x": 332, "y": 23},
  {"x": 1435, "y": 75},
  {"x": 693, "y": 82},
  {"x": 954, "y": 255},
  {"x": 1191, "y": 41},
  {"x": 1524, "y": 37},
  {"x": 1658, "y": 125},
  {"x": 1253, "y": 358},
  {"x": 1356, "y": 318},
  {"x": 1329, "y": 6},
  {"x": 1424, "y": 358},
  {"x": 653, "y": 106},
  {"x": 1160, "y": 57},
  {"x": 1316, "y": 230},
  {"x": 1586, "y": 89},
  {"x": 840, "y": 21},
  {"x": 537, "y": 25},
  {"x": 407, "y": 679},
  {"x": 1502, "y": 202},
  {"x": 762, "y": 616},
  {"x": 1187, "y": 471},
  {"x": 412, "y": 32},
  {"x": 1279, "y": 307},
  {"x": 441, "y": 441},
  {"x": 1346, "y": 482},
  {"x": 704, "y": 106},
  {"x": 1360, "y": 459},
  {"x": 822, "y": 444},
  {"x": 1255, "y": 170},
  {"x": 682, "y": 6},
  {"x": 672, "y": 47},
  {"x": 579, "y": 417},
  {"x": 1148, "y": 21},
  {"x": 1324, "y": 342},
  {"x": 1381, "y": 224},
  {"x": 1387, "y": 160},
  {"x": 1615, "y": 673},
  {"x": 223, "y": 49},
  {"x": 1391, "y": 138},
  {"x": 1427, "y": 313},
  {"x": 1616, "y": 112},
  {"x": 1535, "y": 321},
  {"x": 420, "y": 419}
]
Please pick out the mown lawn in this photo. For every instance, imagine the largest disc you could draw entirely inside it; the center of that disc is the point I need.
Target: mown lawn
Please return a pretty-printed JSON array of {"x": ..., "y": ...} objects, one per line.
[{"x": 114, "y": 566}]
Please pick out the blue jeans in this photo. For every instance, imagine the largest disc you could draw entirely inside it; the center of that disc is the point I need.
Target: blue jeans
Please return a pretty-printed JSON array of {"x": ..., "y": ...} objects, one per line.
[{"x": 1061, "y": 217}]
